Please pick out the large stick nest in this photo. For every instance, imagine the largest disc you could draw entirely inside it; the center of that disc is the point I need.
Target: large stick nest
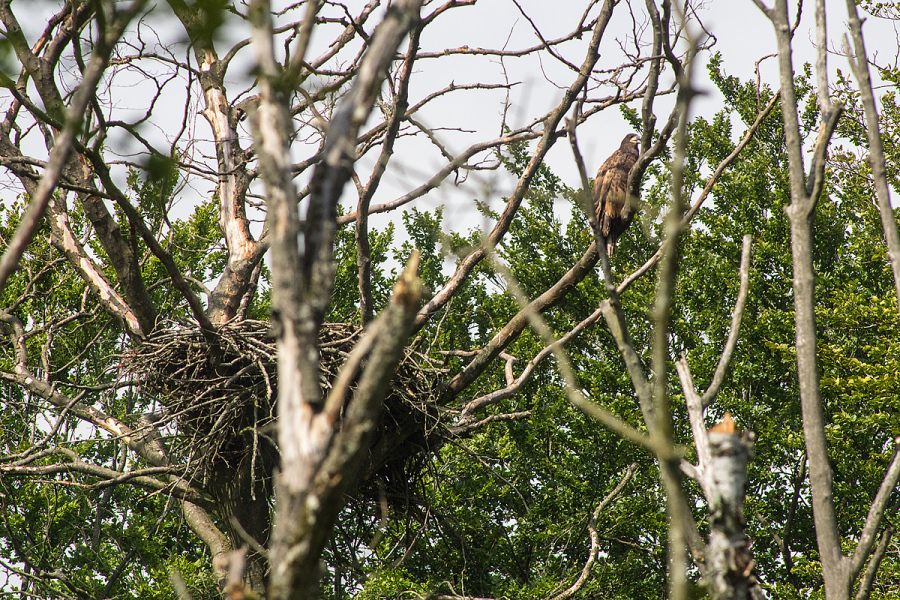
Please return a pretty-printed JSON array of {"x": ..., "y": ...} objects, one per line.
[{"x": 222, "y": 399}]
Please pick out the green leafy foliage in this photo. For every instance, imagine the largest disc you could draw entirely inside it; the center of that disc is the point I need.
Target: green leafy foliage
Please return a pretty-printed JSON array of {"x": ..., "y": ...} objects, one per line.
[
  {"x": 505, "y": 513},
  {"x": 114, "y": 542}
]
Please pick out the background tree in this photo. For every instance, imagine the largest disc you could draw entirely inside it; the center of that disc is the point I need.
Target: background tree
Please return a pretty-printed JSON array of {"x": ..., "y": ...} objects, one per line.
[{"x": 424, "y": 449}]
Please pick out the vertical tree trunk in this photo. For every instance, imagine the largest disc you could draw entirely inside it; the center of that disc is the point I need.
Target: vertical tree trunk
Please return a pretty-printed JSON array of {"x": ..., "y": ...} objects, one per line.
[
  {"x": 834, "y": 571},
  {"x": 322, "y": 440},
  {"x": 805, "y": 191}
]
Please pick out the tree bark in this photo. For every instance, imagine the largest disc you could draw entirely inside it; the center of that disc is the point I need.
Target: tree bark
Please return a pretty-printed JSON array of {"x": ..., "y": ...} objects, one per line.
[
  {"x": 321, "y": 453},
  {"x": 729, "y": 560},
  {"x": 804, "y": 194}
]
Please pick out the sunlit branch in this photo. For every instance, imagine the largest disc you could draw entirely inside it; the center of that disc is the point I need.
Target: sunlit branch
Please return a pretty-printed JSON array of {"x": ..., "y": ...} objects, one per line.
[
  {"x": 695, "y": 415},
  {"x": 736, "y": 316},
  {"x": 319, "y": 460},
  {"x": 711, "y": 182},
  {"x": 66, "y": 242}
]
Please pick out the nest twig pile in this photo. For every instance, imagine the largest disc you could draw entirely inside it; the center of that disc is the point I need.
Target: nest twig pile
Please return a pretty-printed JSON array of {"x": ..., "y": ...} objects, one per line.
[{"x": 223, "y": 399}]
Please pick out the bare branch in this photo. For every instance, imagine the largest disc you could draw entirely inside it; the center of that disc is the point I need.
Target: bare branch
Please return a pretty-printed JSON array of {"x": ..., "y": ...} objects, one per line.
[
  {"x": 62, "y": 146},
  {"x": 451, "y": 167},
  {"x": 301, "y": 542},
  {"x": 318, "y": 461},
  {"x": 398, "y": 109},
  {"x": 736, "y": 316},
  {"x": 297, "y": 60},
  {"x": 514, "y": 385},
  {"x": 834, "y": 567},
  {"x": 465, "y": 430},
  {"x": 109, "y": 477},
  {"x": 66, "y": 242},
  {"x": 514, "y": 327},
  {"x": 595, "y": 540},
  {"x": 695, "y": 415},
  {"x": 611, "y": 308},
  {"x": 816, "y": 180},
  {"x": 876, "y": 514},
  {"x": 546, "y": 45},
  {"x": 868, "y": 578},
  {"x": 573, "y": 390},
  {"x": 679, "y": 514},
  {"x": 626, "y": 283},
  {"x": 859, "y": 64},
  {"x": 468, "y": 263},
  {"x": 584, "y": 196},
  {"x": 822, "y": 57}
]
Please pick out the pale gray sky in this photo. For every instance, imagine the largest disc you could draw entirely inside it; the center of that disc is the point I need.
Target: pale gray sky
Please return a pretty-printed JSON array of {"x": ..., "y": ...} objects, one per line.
[{"x": 744, "y": 36}]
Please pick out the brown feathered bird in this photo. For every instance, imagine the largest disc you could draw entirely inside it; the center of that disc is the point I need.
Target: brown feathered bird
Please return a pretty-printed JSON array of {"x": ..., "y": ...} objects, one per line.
[{"x": 615, "y": 209}]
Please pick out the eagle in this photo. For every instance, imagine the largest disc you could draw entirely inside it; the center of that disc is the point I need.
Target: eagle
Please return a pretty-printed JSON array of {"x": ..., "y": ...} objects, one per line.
[{"x": 614, "y": 208}]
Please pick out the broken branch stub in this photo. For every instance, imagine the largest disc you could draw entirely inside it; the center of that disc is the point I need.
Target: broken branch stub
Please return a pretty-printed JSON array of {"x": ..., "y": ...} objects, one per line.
[{"x": 729, "y": 559}]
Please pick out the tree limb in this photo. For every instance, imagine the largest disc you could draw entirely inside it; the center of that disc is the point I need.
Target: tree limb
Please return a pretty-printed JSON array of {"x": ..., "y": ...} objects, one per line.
[
  {"x": 595, "y": 540},
  {"x": 468, "y": 263},
  {"x": 868, "y": 578},
  {"x": 869, "y": 531},
  {"x": 859, "y": 64},
  {"x": 62, "y": 147},
  {"x": 724, "y": 360},
  {"x": 834, "y": 567}
]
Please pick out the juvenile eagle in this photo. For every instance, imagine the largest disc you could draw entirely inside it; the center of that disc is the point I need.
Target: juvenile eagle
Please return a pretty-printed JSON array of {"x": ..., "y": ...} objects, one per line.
[{"x": 615, "y": 209}]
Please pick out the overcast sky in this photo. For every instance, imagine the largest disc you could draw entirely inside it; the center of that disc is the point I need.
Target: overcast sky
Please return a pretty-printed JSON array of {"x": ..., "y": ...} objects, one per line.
[{"x": 744, "y": 35}]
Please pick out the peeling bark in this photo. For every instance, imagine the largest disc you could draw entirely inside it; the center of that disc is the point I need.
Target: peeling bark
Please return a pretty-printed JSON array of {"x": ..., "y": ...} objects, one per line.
[{"x": 729, "y": 561}]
